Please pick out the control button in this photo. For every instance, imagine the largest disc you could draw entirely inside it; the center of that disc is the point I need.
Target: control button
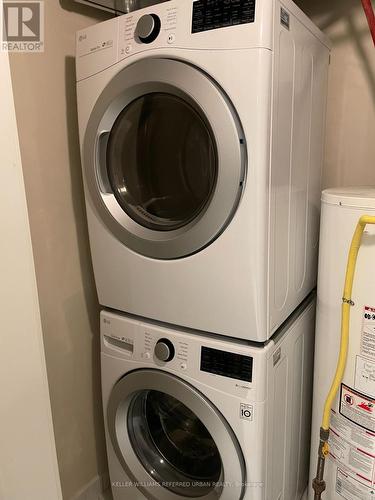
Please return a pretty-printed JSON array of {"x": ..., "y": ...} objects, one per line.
[
  {"x": 128, "y": 49},
  {"x": 171, "y": 38},
  {"x": 164, "y": 350},
  {"x": 183, "y": 366},
  {"x": 147, "y": 355},
  {"x": 148, "y": 28}
]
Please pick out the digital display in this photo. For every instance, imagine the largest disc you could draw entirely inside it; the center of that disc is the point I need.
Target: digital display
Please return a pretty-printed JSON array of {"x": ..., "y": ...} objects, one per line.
[
  {"x": 227, "y": 364},
  {"x": 214, "y": 14}
]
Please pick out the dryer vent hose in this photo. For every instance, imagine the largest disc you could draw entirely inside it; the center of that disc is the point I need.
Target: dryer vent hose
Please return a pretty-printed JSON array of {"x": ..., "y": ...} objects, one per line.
[
  {"x": 318, "y": 483},
  {"x": 369, "y": 11}
]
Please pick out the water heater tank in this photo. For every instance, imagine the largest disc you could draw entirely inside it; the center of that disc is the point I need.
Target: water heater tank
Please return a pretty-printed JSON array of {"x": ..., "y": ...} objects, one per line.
[{"x": 350, "y": 467}]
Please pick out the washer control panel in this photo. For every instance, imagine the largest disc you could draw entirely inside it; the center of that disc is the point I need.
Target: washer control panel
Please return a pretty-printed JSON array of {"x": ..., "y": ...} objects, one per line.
[
  {"x": 205, "y": 358},
  {"x": 214, "y": 14},
  {"x": 227, "y": 364}
]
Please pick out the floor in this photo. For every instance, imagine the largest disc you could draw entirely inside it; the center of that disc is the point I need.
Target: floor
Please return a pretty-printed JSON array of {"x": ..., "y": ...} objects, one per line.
[{"x": 108, "y": 496}]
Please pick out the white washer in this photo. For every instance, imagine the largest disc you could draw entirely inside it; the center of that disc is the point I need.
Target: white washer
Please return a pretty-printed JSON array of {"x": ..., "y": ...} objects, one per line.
[
  {"x": 202, "y": 154},
  {"x": 193, "y": 416}
]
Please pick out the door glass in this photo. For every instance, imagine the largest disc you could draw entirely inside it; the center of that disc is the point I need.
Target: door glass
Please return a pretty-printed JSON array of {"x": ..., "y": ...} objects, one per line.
[
  {"x": 161, "y": 161},
  {"x": 173, "y": 444}
]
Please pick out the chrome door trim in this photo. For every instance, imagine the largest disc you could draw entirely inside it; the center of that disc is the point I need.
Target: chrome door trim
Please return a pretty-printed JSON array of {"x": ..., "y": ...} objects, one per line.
[
  {"x": 234, "y": 470},
  {"x": 195, "y": 87}
]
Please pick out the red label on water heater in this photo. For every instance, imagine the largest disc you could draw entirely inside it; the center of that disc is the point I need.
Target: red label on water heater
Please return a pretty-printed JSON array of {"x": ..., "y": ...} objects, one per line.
[
  {"x": 357, "y": 407},
  {"x": 368, "y": 332}
]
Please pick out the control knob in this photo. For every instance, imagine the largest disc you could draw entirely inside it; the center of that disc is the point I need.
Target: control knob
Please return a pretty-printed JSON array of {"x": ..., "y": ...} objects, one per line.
[
  {"x": 164, "y": 350},
  {"x": 148, "y": 28}
]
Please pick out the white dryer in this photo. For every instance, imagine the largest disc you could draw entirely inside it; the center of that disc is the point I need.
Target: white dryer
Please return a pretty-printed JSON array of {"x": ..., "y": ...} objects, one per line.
[
  {"x": 193, "y": 416},
  {"x": 201, "y": 127}
]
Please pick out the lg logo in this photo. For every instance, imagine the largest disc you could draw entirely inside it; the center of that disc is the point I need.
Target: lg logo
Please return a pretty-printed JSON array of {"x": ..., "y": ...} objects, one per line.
[
  {"x": 246, "y": 411},
  {"x": 22, "y": 26}
]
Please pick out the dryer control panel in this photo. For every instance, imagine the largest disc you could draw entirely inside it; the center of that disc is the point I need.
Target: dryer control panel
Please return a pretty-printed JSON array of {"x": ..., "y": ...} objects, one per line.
[
  {"x": 173, "y": 26},
  {"x": 214, "y": 14}
]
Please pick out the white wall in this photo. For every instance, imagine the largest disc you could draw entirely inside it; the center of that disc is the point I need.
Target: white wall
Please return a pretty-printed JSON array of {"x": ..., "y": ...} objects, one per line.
[
  {"x": 350, "y": 144},
  {"x": 45, "y": 101},
  {"x": 28, "y": 463}
]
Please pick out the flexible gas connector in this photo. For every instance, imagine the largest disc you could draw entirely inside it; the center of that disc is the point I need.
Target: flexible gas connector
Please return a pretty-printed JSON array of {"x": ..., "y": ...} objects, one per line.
[{"x": 318, "y": 483}]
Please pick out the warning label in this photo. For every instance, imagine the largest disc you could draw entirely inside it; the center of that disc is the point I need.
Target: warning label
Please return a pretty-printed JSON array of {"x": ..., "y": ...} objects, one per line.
[
  {"x": 353, "y": 459},
  {"x": 358, "y": 408},
  {"x": 352, "y": 445},
  {"x": 368, "y": 332},
  {"x": 349, "y": 488},
  {"x": 365, "y": 375},
  {"x": 356, "y": 436}
]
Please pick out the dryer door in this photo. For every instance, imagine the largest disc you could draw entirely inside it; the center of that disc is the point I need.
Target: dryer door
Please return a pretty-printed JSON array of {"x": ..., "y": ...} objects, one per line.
[
  {"x": 171, "y": 441},
  {"x": 164, "y": 158}
]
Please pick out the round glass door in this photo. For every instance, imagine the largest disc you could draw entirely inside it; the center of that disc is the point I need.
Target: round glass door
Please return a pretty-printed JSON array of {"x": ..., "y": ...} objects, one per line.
[
  {"x": 161, "y": 161},
  {"x": 171, "y": 441},
  {"x": 164, "y": 158},
  {"x": 173, "y": 444}
]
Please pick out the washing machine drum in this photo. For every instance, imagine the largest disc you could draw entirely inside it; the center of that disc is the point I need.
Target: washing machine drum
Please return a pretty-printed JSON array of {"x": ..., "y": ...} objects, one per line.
[
  {"x": 164, "y": 158},
  {"x": 172, "y": 442}
]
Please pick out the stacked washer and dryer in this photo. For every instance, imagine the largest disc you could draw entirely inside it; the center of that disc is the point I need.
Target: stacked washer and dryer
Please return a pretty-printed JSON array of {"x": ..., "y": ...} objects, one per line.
[{"x": 201, "y": 126}]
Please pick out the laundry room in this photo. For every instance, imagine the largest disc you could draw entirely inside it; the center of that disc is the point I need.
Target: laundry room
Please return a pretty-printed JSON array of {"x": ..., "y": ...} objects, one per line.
[{"x": 187, "y": 251}]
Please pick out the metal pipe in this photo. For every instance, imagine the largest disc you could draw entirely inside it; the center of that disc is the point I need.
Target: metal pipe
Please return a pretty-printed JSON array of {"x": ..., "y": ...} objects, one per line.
[{"x": 131, "y": 5}]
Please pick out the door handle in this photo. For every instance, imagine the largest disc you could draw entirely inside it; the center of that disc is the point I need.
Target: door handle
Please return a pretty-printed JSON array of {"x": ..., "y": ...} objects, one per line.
[{"x": 101, "y": 171}]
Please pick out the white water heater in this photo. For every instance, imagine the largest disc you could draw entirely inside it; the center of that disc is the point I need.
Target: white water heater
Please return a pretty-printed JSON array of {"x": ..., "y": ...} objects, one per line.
[{"x": 350, "y": 467}]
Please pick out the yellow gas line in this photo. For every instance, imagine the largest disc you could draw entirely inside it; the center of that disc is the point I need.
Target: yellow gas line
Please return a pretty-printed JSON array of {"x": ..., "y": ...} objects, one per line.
[{"x": 319, "y": 483}]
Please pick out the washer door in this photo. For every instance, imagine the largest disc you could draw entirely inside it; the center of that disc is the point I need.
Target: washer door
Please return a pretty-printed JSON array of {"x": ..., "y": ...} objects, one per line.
[
  {"x": 171, "y": 441},
  {"x": 164, "y": 158}
]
